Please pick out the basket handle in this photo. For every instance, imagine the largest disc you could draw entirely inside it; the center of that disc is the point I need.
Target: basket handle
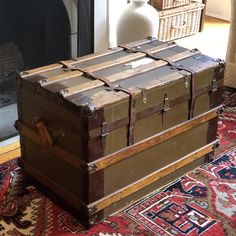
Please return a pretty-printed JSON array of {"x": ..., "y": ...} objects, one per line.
[{"x": 179, "y": 26}]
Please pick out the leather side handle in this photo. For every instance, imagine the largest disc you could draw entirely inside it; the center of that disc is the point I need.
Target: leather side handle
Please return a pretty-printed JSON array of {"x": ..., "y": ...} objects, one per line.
[{"x": 43, "y": 134}]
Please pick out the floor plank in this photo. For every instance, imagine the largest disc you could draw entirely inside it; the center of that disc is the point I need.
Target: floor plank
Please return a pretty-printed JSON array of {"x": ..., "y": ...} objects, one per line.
[{"x": 9, "y": 152}]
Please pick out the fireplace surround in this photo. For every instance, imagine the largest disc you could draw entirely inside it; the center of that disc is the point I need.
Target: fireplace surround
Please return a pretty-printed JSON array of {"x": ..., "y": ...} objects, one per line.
[{"x": 36, "y": 33}]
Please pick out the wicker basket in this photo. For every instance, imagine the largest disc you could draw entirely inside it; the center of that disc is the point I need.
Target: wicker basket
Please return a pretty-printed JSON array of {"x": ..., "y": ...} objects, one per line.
[
  {"x": 180, "y": 22},
  {"x": 167, "y": 4}
]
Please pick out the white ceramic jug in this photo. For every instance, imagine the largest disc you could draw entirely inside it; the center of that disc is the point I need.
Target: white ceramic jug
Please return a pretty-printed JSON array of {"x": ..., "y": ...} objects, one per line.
[{"x": 138, "y": 21}]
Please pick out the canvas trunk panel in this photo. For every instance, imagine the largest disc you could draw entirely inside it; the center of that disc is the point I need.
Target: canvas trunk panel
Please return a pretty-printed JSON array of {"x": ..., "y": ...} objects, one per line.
[{"x": 118, "y": 124}]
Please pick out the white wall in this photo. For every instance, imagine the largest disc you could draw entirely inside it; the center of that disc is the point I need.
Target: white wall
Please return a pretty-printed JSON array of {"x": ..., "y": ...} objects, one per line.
[
  {"x": 106, "y": 15},
  {"x": 115, "y": 9},
  {"x": 218, "y": 9},
  {"x": 101, "y": 27}
]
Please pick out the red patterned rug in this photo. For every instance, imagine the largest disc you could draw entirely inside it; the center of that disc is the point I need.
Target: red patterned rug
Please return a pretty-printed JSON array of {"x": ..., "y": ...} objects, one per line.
[{"x": 203, "y": 202}]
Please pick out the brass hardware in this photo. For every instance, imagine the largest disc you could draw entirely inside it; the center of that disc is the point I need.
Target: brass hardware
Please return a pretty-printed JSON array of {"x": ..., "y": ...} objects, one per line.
[
  {"x": 93, "y": 220},
  {"x": 42, "y": 81},
  {"x": 210, "y": 157},
  {"x": 88, "y": 109},
  {"x": 135, "y": 49},
  {"x": 194, "y": 50},
  {"x": 216, "y": 145},
  {"x": 220, "y": 110},
  {"x": 144, "y": 93},
  {"x": 186, "y": 82},
  {"x": 92, "y": 168},
  {"x": 24, "y": 73},
  {"x": 91, "y": 111},
  {"x": 104, "y": 131},
  {"x": 151, "y": 38},
  {"x": 171, "y": 43},
  {"x": 64, "y": 92},
  {"x": 166, "y": 104},
  {"x": 214, "y": 85},
  {"x": 109, "y": 89},
  {"x": 91, "y": 210}
]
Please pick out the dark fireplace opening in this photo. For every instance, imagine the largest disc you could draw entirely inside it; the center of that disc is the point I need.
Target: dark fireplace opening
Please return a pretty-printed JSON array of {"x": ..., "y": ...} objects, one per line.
[
  {"x": 11, "y": 61},
  {"x": 35, "y": 33}
]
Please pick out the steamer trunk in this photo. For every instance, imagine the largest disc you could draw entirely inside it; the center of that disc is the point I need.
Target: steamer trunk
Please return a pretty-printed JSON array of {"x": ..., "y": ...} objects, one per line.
[{"x": 106, "y": 129}]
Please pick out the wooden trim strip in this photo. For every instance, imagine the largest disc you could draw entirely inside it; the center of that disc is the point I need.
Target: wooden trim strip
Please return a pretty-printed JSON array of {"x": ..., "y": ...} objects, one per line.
[
  {"x": 42, "y": 69},
  {"x": 161, "y": 47},
  {"x": 143, "y": 145},
  {"x": 155, "y": 49},
  {"x": 104, "y": 65},
  {"x": 148, "y": 67},
  {"x": 55, "y": 66},
  {"x": 60, "y": 77},
  {"x": 137, "y": 43},
  {"x": 133, "y": 56},
  {"x": 56, "y": 150},
  {"x": 182, "y": 55},
  {"x": 96, "y": 55},
  {"x": 113, "y": 78},
  {"x": 149, "y": 179}
]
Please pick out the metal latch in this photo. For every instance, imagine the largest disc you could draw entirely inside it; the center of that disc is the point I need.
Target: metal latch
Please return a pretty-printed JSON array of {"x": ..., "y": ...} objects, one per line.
[
  {"x": 104, "y": 131},
  {"x": 144, "y": 93},
  {"x": 214, "y": 85},
  {"x": 166, "y": 104}
]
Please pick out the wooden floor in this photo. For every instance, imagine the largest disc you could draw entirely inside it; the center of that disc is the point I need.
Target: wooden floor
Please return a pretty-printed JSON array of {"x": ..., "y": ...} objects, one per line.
[
  {"x": 212, "y": 41},
  {"x": 12, "y": 151},
  {"x": 9, "y": 152},
  {"x": 211, "y": 22}
]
